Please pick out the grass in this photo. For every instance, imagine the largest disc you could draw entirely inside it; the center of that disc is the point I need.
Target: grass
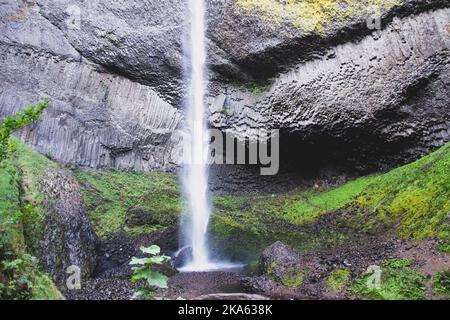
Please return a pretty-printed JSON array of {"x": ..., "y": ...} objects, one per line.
[
  {"x": 311, "y": 16},
  {"x": 110, "y": 194},
  {"x": 399, "y": 281},
  {"x": 414, "y": 199},
  {"x": 441, "y": 284}
]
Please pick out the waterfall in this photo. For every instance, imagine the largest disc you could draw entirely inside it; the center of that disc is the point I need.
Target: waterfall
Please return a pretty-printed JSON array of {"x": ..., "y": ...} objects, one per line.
[
  {"x": 195, "y": 177},
  {"x": 196, "y": 173}
]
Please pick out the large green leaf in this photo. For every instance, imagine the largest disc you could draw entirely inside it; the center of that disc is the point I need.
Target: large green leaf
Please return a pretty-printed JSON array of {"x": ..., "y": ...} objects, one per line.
[
  {"x": 137, "y": 261},
  {"x": 153, "y": 250},
  {"x": 139, "y": 274},
  {"x": 157, "y": 279}
]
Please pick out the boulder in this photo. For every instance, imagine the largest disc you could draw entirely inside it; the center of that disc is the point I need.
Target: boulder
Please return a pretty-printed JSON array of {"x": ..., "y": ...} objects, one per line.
[
  {"x": 68, "y": 237},
  {"x": 277, "y": 259}
]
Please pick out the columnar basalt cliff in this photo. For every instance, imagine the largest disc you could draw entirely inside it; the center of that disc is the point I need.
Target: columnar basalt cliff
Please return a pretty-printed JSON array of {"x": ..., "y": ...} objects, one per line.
[{"x": 114, "y": 75}]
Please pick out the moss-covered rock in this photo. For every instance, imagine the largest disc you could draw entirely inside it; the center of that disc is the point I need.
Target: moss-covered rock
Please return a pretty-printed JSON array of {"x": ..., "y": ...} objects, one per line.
[
  {"x": 413, "y": 199},
  {"x": 21, "y": 227},
  {"x": 294, "y": 277},
  {"x": 114, "y": 198},
  {"x": 337, "y": 281},
  {"x": 41, "y": 215}
]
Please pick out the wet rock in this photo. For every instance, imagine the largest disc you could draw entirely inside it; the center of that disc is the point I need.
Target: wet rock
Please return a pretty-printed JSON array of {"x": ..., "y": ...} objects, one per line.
[
  {"x": 372, "y": 114},
  {"x": 68, "y": 236},
  {"x": 182, "y": 257}
]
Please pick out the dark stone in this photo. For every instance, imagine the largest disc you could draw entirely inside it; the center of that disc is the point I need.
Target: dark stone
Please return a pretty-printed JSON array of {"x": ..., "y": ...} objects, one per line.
[
  {"x": 333, "y": 102},
  {"x": 181, "y": 257}
]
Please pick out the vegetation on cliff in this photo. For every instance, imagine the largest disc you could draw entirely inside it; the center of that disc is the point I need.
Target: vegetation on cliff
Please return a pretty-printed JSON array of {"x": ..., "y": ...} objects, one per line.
[
  {"x": 312, "y": 16},
  {"x": 109, "y": 195},
  {"x": 21, "y": 213},
  {"x": 411, "y": 200}
]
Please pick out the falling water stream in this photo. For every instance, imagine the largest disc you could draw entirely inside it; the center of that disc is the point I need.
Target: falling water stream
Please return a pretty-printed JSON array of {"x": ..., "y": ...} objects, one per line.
[{"x": 195, "y": 178}]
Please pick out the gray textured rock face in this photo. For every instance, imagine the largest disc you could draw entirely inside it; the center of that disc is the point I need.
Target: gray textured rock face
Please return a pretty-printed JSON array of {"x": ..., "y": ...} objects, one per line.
[
  {"x": 245, "y": 45},
  {"x": 116, "y": 81},
  {"x": 382, "y": 96},
  {"x": 139, "y": 39},
  {"x": 69, "y": 239},
  {"x": 96, "y": 119}
]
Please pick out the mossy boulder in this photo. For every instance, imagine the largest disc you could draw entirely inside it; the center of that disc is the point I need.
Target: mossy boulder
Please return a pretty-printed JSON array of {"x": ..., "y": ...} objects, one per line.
[
  {"x": 138, "y": 217},
  {"x": 338, "y": 280}
]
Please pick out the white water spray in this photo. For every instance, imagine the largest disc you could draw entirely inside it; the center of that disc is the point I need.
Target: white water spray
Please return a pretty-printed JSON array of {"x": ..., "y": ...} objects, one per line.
[
  {"x": 196, "y": 176},
  {"x": 195, "y": 179}
]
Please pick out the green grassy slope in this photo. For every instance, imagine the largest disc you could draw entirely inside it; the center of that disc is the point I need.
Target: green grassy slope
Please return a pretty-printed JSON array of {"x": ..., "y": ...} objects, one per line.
[
  {"x": 413, "y": 200},
  {"x": 21, "y": 218}
]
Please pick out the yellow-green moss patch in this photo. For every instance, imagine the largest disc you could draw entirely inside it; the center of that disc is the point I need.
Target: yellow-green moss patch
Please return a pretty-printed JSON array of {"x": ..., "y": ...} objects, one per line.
[{"x": 312, "y": 16}]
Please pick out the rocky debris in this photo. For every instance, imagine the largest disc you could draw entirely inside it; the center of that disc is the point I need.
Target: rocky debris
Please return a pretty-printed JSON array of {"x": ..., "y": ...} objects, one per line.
[
  {"x": 193, "y": 285},
  {"x": 260, "y": 284},
  {"x": 232, "y": 296},
  {"x": 68, "y": 236},
  {"x": 102, "y": 289}
]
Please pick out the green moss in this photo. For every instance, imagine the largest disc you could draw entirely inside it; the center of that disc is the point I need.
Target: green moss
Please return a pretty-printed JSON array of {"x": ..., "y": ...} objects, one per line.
[
  {"x": 414, "y": 198},
  {"x": 338, "y": 280},
  {"x": 294, "y": 277},
  {"x": 21, "y": 225},
  {"x": 25, "y": 280},
  {"x": 311, "y": 16},
  {"x": 313, "y": 204},
  {"x": 110, "y": 194},
  {"x": 258, "y": 222},
  {"x": 441, "y": 284},
  {"x": 44, "y": 288},
  {"x": 399, "y": 281}
]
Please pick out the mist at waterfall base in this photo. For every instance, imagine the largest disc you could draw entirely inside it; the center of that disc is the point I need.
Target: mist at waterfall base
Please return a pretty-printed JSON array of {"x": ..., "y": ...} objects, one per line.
[{"x": 195, "y": 173}]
